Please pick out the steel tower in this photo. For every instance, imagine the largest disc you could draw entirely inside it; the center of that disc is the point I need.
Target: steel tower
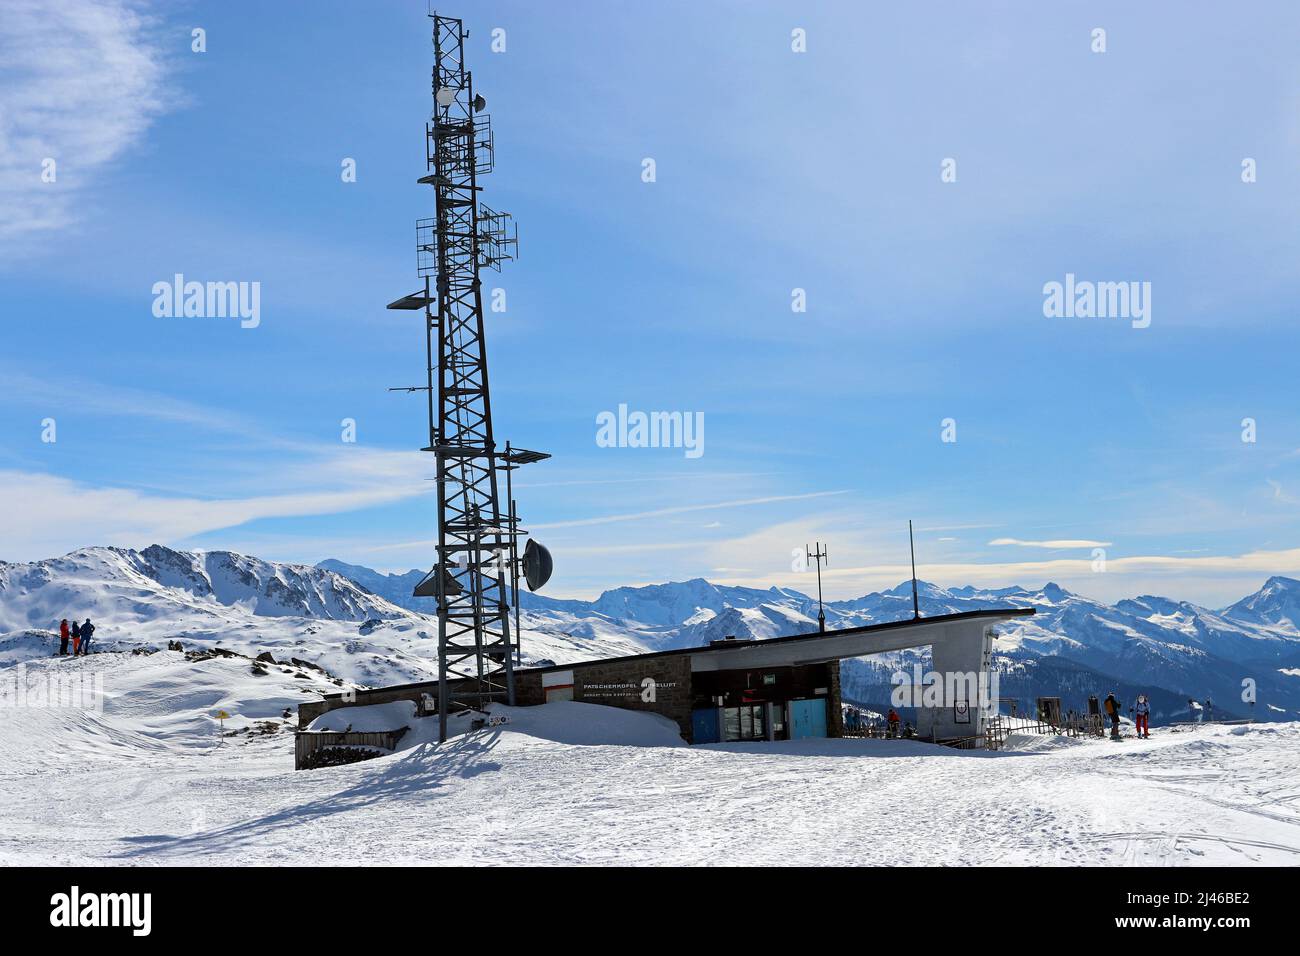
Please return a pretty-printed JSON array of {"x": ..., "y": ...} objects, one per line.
[{"x": 476, "y": 552}]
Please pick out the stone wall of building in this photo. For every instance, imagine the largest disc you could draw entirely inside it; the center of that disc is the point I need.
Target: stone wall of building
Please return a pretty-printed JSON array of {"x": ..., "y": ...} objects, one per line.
[
  {"x": 661, "y": 685},
  {"x": 834, "y": 712},
  {"x": 528, "y": 689}
]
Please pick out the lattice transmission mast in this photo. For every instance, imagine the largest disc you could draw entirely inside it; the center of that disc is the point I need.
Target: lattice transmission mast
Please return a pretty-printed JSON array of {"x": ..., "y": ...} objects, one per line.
[{"x": 475, "y": 574}]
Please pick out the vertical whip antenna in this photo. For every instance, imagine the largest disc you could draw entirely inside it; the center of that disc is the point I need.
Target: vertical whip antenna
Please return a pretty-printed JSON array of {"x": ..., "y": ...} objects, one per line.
[
  {"x": 911, "y": 546},
  {"x": 820, "y": 555}
]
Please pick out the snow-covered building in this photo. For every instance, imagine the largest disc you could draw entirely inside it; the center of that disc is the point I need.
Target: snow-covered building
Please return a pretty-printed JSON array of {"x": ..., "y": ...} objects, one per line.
[{"x": 775, "y": 689}]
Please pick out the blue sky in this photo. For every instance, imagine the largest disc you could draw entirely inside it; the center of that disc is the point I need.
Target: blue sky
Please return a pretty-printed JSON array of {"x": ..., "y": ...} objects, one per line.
[{"x": 775, "y": 170}]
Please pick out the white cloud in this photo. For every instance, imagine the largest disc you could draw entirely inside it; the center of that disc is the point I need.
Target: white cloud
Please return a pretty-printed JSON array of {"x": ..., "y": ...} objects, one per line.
[
  {"x": 104, "y": 399},
  {"x": 607, "y": 549},
  {"x": 80, "y": 83},
  {"x": 50, "y": 515},
  {"x": 640, "y": 479},
  {"x": 1209, "y": 580},
  {"x": 1279, "y": 494},
  {"x": 1054, "y": 544},
  {"x": 682, "y": 509}
]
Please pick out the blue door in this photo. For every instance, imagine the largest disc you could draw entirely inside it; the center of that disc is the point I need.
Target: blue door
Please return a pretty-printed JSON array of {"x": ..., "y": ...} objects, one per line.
[
  {"x": 807, "y": 718},
  {"x": 704, "y": 726}
]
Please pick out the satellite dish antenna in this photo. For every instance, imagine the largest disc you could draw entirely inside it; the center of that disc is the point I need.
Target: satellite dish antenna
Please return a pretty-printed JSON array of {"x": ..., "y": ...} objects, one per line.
[
  {"x": 480, "y": 104},
  {"x": 445, "y": 96},
  {"x": 538, "y": 565}
]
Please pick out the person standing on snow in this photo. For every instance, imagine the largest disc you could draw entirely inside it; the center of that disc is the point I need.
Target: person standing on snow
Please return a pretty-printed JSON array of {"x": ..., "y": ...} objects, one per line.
[
  {"x": 893, "y": 722},
  {"x": 87, "y": 629},
  {"x": 1142, "y": 722},
  {"x": 76, "y": 638},
  {"x": 1111, "y": 706},
  {"x": 64, "y": 634}
]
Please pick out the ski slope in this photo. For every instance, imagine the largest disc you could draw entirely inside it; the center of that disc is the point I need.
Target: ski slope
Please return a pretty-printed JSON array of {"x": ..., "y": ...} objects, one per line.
[{"x": 149, "y": 782}]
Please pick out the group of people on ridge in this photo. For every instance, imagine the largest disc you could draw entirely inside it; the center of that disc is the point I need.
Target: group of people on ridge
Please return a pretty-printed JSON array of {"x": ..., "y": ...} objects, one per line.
[
  {"x": 79, "y": 634},
  {"x": 1141, "y": 715}
]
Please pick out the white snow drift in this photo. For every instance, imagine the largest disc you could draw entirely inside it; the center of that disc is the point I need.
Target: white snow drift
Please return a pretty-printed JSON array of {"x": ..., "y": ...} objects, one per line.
[{"x": 148, "y": 781}]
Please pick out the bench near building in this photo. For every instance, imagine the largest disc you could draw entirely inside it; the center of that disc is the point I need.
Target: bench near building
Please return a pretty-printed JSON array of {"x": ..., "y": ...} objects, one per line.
[{"x": 783, "y": 688}]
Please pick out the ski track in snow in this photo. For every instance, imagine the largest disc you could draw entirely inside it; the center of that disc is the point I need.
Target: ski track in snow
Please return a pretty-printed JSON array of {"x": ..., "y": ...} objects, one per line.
[{"x": 146, "y": 783}]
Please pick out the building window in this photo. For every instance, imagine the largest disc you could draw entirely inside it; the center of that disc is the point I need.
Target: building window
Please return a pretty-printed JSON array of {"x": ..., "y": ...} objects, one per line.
[{"x": 744, "y": 723}]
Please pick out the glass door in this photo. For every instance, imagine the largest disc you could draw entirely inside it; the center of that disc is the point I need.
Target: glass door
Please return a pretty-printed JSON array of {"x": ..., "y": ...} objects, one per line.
[{"x": 745, "y": 722}]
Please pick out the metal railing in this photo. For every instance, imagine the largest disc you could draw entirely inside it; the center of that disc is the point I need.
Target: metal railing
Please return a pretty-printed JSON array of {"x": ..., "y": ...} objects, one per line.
[
  {"x": 879, "y": 730},
  {"x": 994, "y": 736}
]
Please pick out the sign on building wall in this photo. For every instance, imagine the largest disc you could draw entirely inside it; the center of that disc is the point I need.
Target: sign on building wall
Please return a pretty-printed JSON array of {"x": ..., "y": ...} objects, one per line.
[{"x": 647, "y": 689}]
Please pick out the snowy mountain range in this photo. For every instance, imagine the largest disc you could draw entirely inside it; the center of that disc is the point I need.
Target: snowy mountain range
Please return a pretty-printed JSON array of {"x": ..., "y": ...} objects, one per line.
[
  {"x": 1073, "y": 646},
  {"x": 238, "y": 603},
  {"x": 364, "y": 627}
]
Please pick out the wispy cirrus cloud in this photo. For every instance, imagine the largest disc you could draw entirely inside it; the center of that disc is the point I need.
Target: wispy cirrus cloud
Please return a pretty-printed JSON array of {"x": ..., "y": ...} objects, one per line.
[
  {"x": 684, "y": 509},
  {"x": 1209, "y": 579},
  {"x": 1055, "y": 544},
  {"x": 1280, "y": 493},
  {"x": 104, "y": 398},
  {"x": 80, "y": 83},
  {"x": 51, "y": 515},
  {"x": 631, "y": 516}
]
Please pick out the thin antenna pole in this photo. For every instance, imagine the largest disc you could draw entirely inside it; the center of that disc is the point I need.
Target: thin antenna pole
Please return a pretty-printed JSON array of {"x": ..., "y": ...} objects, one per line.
[
  {"x": 514, "y": 580},
  {"x": 911, "y": 545},
  {"x": 819, "y": 555},
  {"x": 512, "y": 521}
]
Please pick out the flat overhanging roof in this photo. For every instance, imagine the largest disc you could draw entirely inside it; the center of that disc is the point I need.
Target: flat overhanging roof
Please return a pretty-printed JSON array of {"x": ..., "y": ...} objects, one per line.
[
  {"x": 818, "y": 648},
  {"x": 794, "y": 650}
]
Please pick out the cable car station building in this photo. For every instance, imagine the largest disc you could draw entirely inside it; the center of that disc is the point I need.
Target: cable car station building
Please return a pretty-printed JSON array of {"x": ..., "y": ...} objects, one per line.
[{"x": 783, "y": 688}]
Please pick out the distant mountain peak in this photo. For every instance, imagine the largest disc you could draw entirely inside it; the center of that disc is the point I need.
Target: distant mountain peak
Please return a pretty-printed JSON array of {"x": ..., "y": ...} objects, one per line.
[
  {"x": 1276, "y": 603},
  {"x": 1054, "y": 592},
  {"x": 1278, "y": 581}
]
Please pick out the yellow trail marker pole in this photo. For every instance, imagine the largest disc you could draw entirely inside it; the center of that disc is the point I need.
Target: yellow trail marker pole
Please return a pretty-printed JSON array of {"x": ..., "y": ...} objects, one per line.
[{"x": 221, "y": 716}]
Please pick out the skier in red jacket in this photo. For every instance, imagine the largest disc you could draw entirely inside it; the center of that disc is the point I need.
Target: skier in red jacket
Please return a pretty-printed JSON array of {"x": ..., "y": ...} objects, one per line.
[
  {"x": 64, "y": 634},
  {"x": 1143, "y": 719}
]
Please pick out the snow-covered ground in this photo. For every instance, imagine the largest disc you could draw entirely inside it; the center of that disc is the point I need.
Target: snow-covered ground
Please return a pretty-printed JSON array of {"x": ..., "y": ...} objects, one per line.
[{"x": 149, "y": 781}]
